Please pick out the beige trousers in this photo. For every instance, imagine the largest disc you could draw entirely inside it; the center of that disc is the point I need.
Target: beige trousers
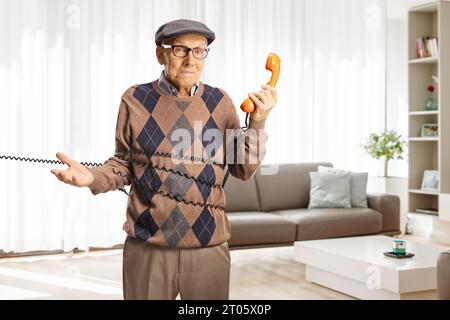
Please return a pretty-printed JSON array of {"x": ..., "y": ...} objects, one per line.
[{"x": 156, "y": 272}]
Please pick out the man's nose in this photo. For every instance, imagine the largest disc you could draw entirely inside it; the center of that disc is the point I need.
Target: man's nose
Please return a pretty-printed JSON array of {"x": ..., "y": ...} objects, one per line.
[{"x": 189, "y": 59}]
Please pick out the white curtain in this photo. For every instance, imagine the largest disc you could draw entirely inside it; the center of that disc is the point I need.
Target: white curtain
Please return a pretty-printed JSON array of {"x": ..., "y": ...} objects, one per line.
[{"x": 65, "y": 64}]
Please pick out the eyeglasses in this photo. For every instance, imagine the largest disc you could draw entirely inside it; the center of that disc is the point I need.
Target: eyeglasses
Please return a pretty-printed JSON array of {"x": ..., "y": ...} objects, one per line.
[{"x": 182, "y": 51}]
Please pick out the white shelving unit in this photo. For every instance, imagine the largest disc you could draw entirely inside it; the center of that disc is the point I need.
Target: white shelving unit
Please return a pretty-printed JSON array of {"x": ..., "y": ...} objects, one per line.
[
  {"x": 424, "y": 60},
  {"x": 429, "y": 153}
]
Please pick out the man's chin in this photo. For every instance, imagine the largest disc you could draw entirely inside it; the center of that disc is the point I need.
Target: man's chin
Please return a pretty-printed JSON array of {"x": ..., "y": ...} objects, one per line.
[{"x": 188, "y": 84}]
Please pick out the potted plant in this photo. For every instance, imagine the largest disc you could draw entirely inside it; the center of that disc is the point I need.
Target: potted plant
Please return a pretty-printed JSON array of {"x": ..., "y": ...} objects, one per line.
[{"x": 387, "y": 145}]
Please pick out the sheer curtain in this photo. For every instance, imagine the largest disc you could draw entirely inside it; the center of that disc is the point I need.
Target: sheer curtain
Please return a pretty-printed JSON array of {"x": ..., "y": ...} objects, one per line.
[{"x": 65, "y": 64}]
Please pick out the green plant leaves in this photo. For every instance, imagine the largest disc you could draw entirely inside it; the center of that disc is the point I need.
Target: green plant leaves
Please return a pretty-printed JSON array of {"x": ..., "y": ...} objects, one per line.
[{"x": 388, "y": 145}]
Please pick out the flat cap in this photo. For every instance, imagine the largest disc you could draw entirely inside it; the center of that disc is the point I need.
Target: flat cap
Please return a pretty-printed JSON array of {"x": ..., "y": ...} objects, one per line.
[{"x": 176, "y": 28}]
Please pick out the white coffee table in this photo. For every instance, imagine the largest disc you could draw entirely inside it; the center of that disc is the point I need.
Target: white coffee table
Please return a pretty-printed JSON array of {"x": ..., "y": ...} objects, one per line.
[{"x": 356, "y": 266}]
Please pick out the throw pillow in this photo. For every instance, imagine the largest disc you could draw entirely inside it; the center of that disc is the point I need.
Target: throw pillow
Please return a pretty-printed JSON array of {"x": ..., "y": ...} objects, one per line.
[
  {"x": 329, "y": 190},
  {"x": 358, "y": 186}
]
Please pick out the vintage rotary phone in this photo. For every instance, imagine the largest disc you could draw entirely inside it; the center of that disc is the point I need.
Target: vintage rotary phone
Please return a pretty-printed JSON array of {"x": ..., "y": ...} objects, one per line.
[{"x": 273, "y": 64}]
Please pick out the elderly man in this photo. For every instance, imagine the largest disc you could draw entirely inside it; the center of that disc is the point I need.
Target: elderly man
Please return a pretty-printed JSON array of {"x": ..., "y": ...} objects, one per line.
[{"x": 176, "y": 225}]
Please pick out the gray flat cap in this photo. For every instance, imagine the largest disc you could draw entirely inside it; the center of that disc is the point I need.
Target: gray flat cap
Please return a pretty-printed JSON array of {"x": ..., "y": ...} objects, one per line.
[{"x": 176, "y": 28}]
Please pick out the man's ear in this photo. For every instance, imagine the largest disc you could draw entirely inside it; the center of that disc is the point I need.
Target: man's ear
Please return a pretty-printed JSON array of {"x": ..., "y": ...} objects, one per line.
[{"x": 160, "y": 55}]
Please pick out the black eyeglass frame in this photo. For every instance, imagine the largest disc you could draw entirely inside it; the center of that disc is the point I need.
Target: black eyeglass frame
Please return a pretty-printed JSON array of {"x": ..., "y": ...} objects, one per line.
[{"x": 187, "y": 50}]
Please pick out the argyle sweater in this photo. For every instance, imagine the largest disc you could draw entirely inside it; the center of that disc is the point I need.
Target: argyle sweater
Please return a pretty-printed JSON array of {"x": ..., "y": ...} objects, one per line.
[{"x": 176, "y": 197}]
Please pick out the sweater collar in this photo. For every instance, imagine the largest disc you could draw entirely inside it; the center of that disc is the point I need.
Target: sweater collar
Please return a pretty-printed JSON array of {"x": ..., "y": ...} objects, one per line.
[{"x": 168, "y": 88}]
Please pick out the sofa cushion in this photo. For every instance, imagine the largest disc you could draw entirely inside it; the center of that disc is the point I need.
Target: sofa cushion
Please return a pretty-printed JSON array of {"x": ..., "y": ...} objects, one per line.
[
  {"x": 358, "y": 186},
  {"x": 241, "y": 195},
  {"x": 288, "y": 188},
  {"x": 329, "y": 190},
  {"x": 258, "y": 228},
  {"x": 315, "y": 224}
]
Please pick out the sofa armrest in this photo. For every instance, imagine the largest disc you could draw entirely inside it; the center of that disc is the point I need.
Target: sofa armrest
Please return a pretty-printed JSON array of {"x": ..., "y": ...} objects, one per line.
[
  {"x": 389, "y": 206},
  {"x": 443, "y": 276}
]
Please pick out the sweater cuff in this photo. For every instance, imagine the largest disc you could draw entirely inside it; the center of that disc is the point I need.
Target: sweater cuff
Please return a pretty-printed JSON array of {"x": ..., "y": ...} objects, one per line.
[
  {"x": 257, "y": 124},
  {"x": 95, "y": 185}
]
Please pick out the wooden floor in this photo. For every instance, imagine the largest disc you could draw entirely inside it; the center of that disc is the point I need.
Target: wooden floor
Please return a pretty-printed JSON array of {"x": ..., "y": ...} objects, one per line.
[{"x": 268, "y": 273}]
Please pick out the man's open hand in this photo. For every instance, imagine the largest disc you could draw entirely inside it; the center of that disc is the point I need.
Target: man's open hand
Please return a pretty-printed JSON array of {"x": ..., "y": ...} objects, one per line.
[{"x": 76, "y": 175}]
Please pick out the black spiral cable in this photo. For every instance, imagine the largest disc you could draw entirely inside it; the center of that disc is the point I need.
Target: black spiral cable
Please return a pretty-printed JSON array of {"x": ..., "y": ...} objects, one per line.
[
  {"x": 37, "y": 160},
  {"x": 209, "y": 184},
  {"x": 246, "y": 122},
  {"x": 88, "y": 164},
  {"x": 191, "y": 158},
  {"x": 94, "y": 164},
  {"x": 161, "y": 154},
  {"x": 235, "y": 150},
  {"x": 148, "y": 188}
]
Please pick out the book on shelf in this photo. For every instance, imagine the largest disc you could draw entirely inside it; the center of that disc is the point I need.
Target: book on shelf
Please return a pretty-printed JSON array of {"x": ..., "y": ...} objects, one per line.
[
  {"x": 427, "y": 47},
  {"x": 427, "y": 211}
]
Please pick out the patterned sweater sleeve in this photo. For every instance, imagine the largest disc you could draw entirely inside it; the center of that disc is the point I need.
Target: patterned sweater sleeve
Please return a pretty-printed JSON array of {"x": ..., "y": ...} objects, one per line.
[
  {"x": 115, "y": 172},
  {"x": 251, "y": 145}
]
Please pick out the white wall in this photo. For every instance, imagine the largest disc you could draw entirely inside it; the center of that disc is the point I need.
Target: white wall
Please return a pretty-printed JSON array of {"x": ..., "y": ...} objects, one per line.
[
  {"x": 396, "y": 9},
  {"x": 396, "y": 88}
]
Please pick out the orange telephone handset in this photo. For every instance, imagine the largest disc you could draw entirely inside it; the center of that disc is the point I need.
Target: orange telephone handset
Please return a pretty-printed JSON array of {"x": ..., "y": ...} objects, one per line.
[{"x": 273, "y": 64}]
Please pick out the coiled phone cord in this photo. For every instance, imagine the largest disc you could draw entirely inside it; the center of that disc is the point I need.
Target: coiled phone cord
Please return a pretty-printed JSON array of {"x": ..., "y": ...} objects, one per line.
[
  {"x": 94, "y": 164},
  {"x": 87, "y": 164},
  {"x": 235, "y": 150}
]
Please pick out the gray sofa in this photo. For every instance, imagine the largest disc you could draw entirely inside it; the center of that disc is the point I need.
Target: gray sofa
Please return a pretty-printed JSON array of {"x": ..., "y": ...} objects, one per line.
[{"x": 271, "y": 210}]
